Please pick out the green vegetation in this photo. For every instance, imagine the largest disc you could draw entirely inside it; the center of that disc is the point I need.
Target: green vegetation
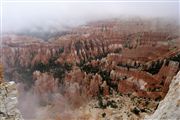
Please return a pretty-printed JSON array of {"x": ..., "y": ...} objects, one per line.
[
  {"x": 112, "y": 104},
  {"x": 135, "y": 110},
  {"x": 100, "y": 102},
  {"x": 127, "y": 66},
  {"x": 103, "y": 115},
  {"x": 25, "y": 75},
  {"x": 105, "y": 75},
  {"x": 89, "y": 68},
  {"x": 176, "y": 58},
  {"x": 106, "y": 103},
  {"x": 155, "y": 67},
  {"x": 58, "y": 70}
]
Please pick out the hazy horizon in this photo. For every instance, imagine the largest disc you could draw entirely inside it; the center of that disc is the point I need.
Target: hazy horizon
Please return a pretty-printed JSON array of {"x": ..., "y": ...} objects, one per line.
[{"x": 22, "y": 15}]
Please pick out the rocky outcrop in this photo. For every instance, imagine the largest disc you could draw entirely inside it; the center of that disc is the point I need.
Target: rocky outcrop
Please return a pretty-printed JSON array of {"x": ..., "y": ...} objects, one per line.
[
  {"x": 169, "y": 108},
  {"x": 8, "y": 102}
]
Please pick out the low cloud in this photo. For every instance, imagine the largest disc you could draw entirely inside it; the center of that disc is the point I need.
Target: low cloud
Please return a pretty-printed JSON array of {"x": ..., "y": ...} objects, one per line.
[{"x": 60, "y": 16}]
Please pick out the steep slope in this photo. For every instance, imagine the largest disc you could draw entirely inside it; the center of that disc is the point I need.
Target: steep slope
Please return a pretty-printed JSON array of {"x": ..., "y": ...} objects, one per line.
[{"x": 169, "y": 108}]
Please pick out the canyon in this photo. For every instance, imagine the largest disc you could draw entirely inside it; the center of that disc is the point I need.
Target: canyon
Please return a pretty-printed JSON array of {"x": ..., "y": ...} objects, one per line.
[{"x": 104, "y": 61}]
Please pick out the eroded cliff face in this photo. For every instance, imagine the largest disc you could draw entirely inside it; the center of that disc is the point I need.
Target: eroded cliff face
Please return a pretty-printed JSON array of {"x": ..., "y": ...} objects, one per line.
[
  {"x": 169, "y": 107},
  {"x": 93, "y": 61},
  {"x": 8, "y": 100}
]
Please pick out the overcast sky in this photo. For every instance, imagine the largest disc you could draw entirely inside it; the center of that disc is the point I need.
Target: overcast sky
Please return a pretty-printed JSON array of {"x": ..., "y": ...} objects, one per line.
[{"x": 17, "y": 16}]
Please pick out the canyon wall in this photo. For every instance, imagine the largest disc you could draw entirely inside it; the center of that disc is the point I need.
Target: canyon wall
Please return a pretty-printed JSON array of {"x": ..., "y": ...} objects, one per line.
[
  {"x": 169, "y": 107},
  {"x": 94, "y": 60}
]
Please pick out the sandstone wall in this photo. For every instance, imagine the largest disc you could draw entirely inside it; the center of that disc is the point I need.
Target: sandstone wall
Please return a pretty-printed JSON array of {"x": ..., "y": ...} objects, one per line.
[{"x": 169, "y": 108}]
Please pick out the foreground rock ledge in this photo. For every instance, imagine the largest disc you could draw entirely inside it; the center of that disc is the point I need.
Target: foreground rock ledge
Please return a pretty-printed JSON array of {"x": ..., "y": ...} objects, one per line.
[
  {"x": 8, "y": 102},
  {"x": 169, "y": 108}
]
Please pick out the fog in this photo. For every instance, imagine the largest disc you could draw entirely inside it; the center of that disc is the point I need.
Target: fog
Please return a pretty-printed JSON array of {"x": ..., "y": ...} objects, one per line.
[
  {"x": 59, "y": 16},
  {"x": 18, "y": 16}
]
